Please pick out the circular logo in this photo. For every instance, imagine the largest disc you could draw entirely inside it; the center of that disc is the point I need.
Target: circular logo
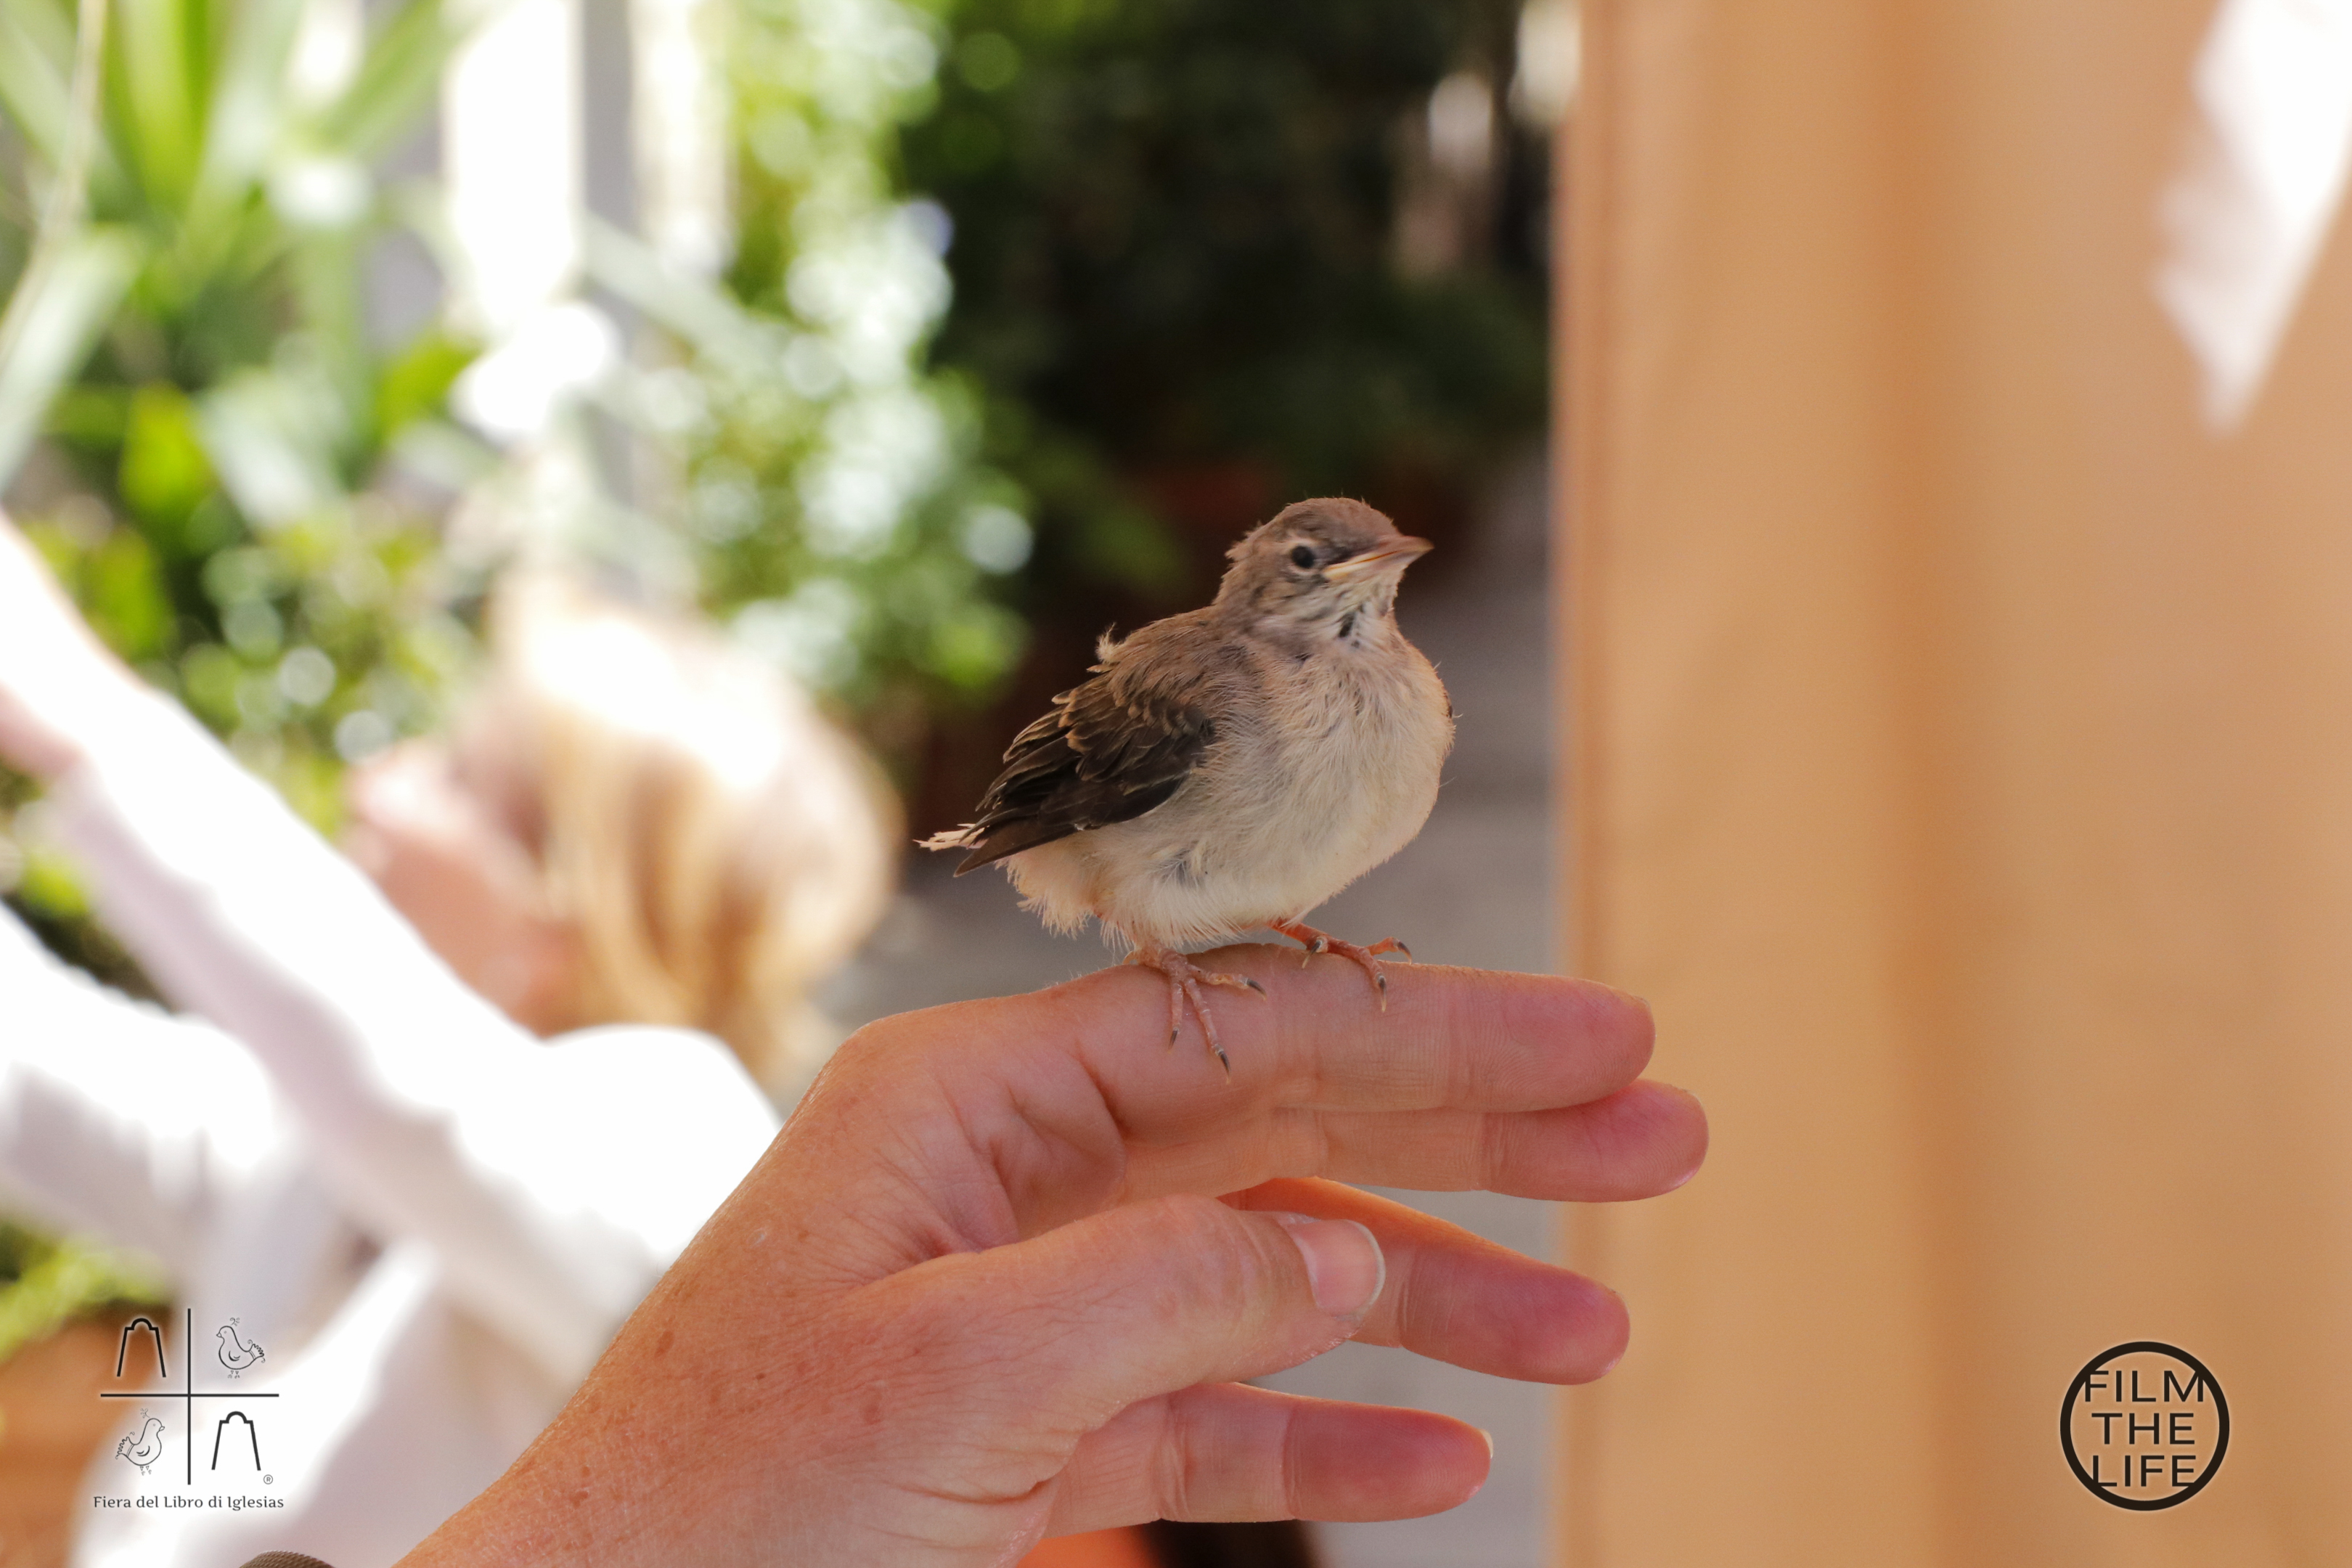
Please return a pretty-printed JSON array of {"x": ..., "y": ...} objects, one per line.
[{"x": 2144, "y": 1425}]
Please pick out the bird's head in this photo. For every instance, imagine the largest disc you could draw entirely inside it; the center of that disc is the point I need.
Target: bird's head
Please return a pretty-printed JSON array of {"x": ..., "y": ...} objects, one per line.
[{"x": 1325, "y": 568}]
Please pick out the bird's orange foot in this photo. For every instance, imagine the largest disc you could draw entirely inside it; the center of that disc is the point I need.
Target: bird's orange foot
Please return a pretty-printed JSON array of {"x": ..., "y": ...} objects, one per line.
[
  {"x": 1369, "y": 958},
  {"x": 1184, "y": 982}
]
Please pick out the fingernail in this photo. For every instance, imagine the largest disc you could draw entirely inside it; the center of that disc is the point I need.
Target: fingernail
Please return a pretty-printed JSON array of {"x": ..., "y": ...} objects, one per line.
[
  {"x": 1698, "y": 1106},
  {"x": 1488, "y": 1437},
  {"x": 1344, "y": 1266}
]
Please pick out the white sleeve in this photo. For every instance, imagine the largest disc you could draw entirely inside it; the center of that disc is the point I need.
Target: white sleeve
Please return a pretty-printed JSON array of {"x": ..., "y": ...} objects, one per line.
[
  {"x": 554, "y": 1183},
  {"x": 118, "y": 1120}
]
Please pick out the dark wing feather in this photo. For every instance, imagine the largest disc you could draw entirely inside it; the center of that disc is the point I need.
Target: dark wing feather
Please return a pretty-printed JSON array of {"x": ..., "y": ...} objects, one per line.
[{"x": 1104, "y": 752}]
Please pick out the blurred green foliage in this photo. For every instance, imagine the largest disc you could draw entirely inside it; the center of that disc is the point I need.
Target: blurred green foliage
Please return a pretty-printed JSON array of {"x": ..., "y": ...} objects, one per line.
[
  {"x": 829, "y": 490},
  {"x": 1176, "y": 245},
  {"x": 208, "y": 494},
  {"x": 1171, "y": 227},
  {"x": 46, "y": 1284},
  {"x": 241, "y": 487},
  {"x": 212, "y": 416}
]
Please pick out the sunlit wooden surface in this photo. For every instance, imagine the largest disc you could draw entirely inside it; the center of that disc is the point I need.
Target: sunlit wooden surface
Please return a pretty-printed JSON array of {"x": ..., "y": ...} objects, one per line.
[{"x": 51, "y": 1423}]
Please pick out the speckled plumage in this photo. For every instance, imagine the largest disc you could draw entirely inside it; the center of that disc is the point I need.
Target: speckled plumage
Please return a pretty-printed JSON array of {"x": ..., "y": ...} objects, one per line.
[{"x": 1235, "y": 765}]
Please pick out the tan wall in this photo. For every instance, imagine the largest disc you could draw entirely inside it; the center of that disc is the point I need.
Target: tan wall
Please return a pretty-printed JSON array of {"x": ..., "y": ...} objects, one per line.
[{"x": 1960, "y": 759}]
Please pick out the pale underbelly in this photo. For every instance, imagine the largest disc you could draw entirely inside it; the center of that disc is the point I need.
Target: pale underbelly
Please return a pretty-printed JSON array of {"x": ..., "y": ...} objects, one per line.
[{"x": 1200, "y": 869}]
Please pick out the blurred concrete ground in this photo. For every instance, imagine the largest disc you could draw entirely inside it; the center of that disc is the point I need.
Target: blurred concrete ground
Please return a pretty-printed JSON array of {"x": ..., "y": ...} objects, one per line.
[{"x": 1474, "y": 888}]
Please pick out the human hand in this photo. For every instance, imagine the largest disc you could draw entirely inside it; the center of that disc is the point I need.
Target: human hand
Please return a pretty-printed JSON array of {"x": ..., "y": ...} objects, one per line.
[
  {"x": 57, "y": 682},
  {"x": 982, "y": 1289}
]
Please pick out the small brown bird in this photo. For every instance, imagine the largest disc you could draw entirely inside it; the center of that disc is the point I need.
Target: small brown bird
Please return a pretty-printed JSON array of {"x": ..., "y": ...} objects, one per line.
[{"x": 1231, "y": 767}]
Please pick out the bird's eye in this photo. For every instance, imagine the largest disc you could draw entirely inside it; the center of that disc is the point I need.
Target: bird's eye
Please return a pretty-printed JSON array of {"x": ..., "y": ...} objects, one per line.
[{"x": 1303, "y": 558}]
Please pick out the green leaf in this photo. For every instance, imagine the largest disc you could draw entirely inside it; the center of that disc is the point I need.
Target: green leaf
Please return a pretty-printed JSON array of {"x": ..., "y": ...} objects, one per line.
[
  {"x": 90, "y": 417},
  {"x": 46, "y": 1284},
  {"x": 247, "y": 104},
  {"x": 50, "y": 885},
  {"x": 72, "y": 302},
  {"x": 35, "y": 65},
  {"x": 165, "y": 472},
  {"x": 275, "y": 439},
  {"x": 397, "y": 79},
  {"x": 208, "y": 676},
  {"x": 417, "y": 384},
  {"x": 158, "y": 54},
  {"x": 36, "y": 58},
  {"x": 122, "y": 594}
]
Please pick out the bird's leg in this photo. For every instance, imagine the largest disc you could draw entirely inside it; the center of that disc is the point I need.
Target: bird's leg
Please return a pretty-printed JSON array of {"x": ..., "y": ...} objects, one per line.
[
  {"x": 1324, "y": 941},
  {"x": 1184, "y": 982}
]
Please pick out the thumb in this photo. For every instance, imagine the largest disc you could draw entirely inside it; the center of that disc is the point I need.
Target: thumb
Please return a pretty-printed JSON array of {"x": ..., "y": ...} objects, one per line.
[{"x": 1146, "y": 1299}]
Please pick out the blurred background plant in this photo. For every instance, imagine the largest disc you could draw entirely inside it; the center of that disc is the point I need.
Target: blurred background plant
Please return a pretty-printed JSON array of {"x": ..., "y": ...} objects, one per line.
[
  {"x": 1211, "y": 256},
  {"x": 1204, "y": 231},
  {"x": 46, "y": 1284},
  {"x": 280, "y": 494},
  {"x": 928, "y": 338},
  {"x": 841, "y": 517},
  {"x": 1005, "y": 316},
  {"x": 191, "y": 387}
]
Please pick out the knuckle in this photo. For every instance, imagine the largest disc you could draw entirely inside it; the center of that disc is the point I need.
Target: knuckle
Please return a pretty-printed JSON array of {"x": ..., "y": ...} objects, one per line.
[
  {"x": 1494, "y": 1148},
  {"x": 1231, "y": 1265},
  {"x": 1179, "y": 1460},
  {"x": 931, "y": 1325},
  {"x": 869, "y": 1050},
  {"x": 1298, "y": 1143}
]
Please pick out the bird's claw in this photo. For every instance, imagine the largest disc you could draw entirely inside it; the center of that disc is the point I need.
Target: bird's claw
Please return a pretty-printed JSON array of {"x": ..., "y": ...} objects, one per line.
[
  {"x": 1367, "y": 958},
  {"x": 1184, "y": 982}
]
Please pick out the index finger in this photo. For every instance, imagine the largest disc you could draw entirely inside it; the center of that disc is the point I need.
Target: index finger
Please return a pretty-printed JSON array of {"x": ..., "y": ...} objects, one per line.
[
  {"x": 1013, "y": 1116},
  {"x": 1460, "y": 1039},
  {"x": 1521, "y": 1083}
]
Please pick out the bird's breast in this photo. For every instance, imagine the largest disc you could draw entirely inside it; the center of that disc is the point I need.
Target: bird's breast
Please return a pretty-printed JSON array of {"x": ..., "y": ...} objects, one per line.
[
  {"x": 1332, "y": 772},
  {"x": 1355, "y": 749}
]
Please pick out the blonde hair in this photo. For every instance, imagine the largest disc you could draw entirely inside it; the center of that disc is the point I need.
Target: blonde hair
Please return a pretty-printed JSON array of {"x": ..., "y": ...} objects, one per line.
[{"x": 716, "y": 843}]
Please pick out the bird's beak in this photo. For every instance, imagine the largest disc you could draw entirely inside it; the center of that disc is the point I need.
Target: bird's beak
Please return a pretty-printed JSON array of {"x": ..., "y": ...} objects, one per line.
[{"x": 1402, "y": 553}]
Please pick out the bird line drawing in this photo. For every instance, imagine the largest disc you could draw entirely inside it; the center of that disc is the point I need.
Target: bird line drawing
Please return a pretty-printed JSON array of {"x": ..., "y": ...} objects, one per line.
[
  {"x": 235, "y": 1353},
  {"x": 122, "y": 1347},
  {"x": 1232, "y": 766},
  {"x": 144, "y": 1449}
]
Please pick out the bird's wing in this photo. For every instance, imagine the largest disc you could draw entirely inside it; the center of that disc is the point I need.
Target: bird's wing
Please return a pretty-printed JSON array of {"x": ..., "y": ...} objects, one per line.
[{"x": 1112, "y": 749}]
